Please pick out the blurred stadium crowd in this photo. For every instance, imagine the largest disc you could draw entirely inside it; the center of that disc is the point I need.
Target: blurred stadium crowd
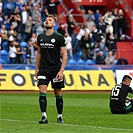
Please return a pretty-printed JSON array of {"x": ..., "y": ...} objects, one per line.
[{"x": 95, "y": 43}]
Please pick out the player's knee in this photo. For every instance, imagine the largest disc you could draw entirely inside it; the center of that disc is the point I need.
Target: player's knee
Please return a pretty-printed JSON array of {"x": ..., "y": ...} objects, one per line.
[
  {"x": 57, "y": 92},
  {"x": 43, "y": 88}
]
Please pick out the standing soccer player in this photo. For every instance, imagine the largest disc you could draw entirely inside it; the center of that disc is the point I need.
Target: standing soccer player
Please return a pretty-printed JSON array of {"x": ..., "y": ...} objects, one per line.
[
  {"x": 50, "y": 67},
  {"x": 119, "y": 95}
]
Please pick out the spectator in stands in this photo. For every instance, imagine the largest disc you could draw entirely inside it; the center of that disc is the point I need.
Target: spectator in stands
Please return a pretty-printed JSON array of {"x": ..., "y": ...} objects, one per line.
[
  {"x": 90, "y": 14},
  {"x": 19, "y": 5},
  {"x": 24, "y": 17},
  {"x": 69, "y": 13},
  {"x": 89, "y": 23},
  {"x": 76, "y": 45},
  {"x": 1, "y": 19},
  {"x": 111, "y": 44},
  {"x": 109, "y": 60},
  {"x": 109, "y": 17},
  {"x": 39, "y": 26},
  {"x": 85, "y": 46},
  {"x": 115, "y": 23},
  {"x": 71, "y": 26},
  {"x": 80, "y": 34},
  {"x": 19, "y": 57},
  {"x": 3, "y": 33},
  {"x": 12, "y": 52},
  {"x": 51, "y": 7},
  {"x": 102, "y": 46},
  {"x": 120, "y": 26},
  {"x": 11, "y": 35},
  {"x": 6, "y": 22},
  {"x": 8, "y": 7},
  {"x": 115, "y": 12},
  {"x": 121, "y": 23},
  {"x": 100, "y": 59},
  {"x": 35, "y": 12},
  {"x": 97, "y": 15},
  {"x": 96, "y": 34},
  {"x": 101, "y": 24},
  {"x": 109, "y": 27},
  {"x": 94, "y": 50},
  {"x": 29, "y": 53},
  {"x": 43, "y": 10},
  {"x": 28, "y": 28},
  {"x": 28, "y": 8},
  {"x": 1, "y": 4},
  {"x": 68, "y": 40},
  {"x": 61, "y": 29},
  {"x": 33, "y": 2},
  {"x": 33, "y": 39},
  {"x": 15, "y": 19}
]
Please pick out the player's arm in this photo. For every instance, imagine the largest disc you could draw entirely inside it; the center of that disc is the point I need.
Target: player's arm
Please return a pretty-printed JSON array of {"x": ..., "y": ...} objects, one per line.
[
  {"x": 38, "y": 57},
  {"x": 128, "y": 98},
  {"x": 64, "y": 57},
  {"x": 64, "y": 60}
]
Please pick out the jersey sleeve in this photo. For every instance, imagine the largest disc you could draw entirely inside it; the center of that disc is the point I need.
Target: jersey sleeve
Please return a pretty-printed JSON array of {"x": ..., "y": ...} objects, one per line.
[
  {"x": 62, "y": 41},
  {"x": 38, "y": 40}
]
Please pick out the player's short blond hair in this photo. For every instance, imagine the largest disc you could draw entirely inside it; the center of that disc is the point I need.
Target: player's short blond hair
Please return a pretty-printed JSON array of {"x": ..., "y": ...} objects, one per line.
[{"x": 52, "y": 16}]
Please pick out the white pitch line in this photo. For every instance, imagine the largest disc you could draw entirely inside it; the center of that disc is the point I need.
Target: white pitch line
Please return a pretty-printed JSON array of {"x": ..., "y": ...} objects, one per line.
[{"x": 70, "y": 125}]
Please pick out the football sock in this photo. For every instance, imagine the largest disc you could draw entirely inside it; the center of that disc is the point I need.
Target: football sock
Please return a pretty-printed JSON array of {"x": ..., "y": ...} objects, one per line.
[
  {"x": 43, "y": 102},
  {"x": 59, "y": 115},
  {"x": 59, "y": 104},
  {"x": 44, "y": 114}
]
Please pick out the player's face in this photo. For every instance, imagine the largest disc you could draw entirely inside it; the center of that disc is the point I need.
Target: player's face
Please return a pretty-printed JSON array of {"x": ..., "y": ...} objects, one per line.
[{"x": 49, "y": 23}]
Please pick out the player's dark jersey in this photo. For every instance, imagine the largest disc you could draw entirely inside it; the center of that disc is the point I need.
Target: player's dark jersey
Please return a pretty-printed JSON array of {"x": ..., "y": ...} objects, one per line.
[
  {"x": 50, "y": 50},
  {"x": 118, "y": 97}
]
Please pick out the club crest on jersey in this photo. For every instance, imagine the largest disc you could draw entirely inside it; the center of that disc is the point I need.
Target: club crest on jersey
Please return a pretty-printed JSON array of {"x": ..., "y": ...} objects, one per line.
[{"x": 53, "y": 40}]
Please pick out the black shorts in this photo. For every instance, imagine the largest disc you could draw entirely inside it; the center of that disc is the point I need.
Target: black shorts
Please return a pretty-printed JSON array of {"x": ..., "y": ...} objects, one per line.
[
  {"x": 44, "y": 77},
  {"x": 127, "y": 108}
]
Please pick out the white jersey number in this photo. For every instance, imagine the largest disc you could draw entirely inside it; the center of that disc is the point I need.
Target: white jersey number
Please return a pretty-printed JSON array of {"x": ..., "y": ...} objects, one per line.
[{"x": 115, "y": 91}]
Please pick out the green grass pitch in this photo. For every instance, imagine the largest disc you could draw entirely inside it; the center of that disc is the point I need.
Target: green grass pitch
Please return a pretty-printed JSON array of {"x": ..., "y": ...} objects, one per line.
[{"x": 83, "y": 113}]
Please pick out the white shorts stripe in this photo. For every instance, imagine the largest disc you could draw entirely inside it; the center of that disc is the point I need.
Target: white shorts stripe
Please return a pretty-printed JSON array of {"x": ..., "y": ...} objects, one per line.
[{"x": 41, "y": 77}]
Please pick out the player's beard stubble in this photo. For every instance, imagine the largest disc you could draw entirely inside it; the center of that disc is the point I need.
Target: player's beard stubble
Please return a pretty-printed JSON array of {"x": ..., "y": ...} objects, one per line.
[{"x": 48, "y": 27}]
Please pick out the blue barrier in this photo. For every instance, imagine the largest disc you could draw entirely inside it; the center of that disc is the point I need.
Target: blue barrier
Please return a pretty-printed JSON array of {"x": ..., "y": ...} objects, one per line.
[{"x": 69, "y": 67}]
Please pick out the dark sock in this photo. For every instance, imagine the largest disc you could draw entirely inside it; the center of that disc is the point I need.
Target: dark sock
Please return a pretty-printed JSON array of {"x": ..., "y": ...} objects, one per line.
[
  {"x": 59, "y": 104},
  {"x": 42, "y": 102}
]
